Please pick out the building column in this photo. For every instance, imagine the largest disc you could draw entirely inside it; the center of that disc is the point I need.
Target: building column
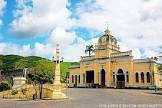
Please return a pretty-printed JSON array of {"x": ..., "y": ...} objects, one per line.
[
  {"x": 125, "y": 75},
  {"x": 106, "y": 79},
  {"x": 139, "y": 74},
  {"x": 115, "y": 80},
  {"x": 99, "y": 77},
  {"x": 151, "y": 78}
]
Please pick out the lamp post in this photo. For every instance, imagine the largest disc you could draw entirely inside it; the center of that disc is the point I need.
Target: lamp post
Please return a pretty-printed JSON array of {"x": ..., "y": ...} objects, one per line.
[
  {"x": 62, "y": 58},
  {"x": 53, "y": 59}
]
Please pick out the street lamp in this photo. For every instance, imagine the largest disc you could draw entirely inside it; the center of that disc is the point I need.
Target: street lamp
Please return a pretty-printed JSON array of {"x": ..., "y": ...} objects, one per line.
[
  {"x": 53, "y": 59},
  {"x": 62, "y": 58}
]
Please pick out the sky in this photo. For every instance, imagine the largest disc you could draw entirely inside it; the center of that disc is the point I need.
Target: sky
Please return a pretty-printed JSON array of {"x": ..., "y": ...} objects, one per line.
[{"x": 33, "y": 27}]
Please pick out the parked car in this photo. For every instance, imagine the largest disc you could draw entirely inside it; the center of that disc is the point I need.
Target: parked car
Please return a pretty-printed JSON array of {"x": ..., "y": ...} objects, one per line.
[{"x": 154, "y": 87}]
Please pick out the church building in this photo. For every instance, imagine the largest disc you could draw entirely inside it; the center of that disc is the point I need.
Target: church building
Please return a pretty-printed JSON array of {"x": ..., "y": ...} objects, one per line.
[{"x": 110, "y": 67}]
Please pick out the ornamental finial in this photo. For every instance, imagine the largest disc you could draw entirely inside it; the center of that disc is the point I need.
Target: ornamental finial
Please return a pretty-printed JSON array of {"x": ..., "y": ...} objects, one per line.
[{"x": 107, "y": 31}]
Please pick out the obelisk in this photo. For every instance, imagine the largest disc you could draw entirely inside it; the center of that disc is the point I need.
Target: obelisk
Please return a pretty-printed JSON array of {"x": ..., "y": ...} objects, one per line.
[
  {"x": 57, "y": 93},
  {"x": 57, "y": 69}
]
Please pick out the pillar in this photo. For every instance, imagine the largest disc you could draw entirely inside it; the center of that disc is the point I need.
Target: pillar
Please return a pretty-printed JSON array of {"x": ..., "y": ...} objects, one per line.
[{"x": 115, "y": 80}]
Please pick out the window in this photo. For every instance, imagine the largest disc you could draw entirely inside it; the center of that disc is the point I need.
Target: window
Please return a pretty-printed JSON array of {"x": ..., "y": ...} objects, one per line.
[
  {"x": 137, "y": 77},
  {"x": 127, "y": 77},
  {"x": 148, "y": 77},
  {"x": 72, "y": 79},
  {"x": 83, "y": 78},
  {"x": 142, "y": 77},
  {"x": 79, "y": 79}
]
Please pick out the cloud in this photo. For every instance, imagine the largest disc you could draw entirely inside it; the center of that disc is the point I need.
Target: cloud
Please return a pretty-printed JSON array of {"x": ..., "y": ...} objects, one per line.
[
  {"x": 1, "y": 23},
  {"x": 72, "y": 46},
  {"x": 59, "y": 35},
  {"x": 135, "y": 51},
  {"x": 36, "y": 17},
  {"x": 10, "y": 48},
  {"x": 136, "y": 28},
  {"x": 2, "y": 6},
  {"x": 136, "y": 23}
]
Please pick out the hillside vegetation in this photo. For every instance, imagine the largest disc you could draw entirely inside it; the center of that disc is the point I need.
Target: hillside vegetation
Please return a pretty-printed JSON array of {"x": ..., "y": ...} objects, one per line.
[{"x": 38, "y": 66}]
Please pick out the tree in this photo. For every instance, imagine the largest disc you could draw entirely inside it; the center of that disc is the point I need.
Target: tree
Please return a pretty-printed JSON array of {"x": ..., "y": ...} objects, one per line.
[
  {"x": 160, "y": 68},
  {"x": 44, "y": 69},
  {"x": 89, "y": 49},
  {"x": 155, "y": 58},
  {"x": 4, "y": 85}
]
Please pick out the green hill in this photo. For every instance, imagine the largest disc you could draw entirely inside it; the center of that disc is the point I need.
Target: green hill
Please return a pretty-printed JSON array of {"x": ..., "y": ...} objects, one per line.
[{"x": 38, "y": 66}]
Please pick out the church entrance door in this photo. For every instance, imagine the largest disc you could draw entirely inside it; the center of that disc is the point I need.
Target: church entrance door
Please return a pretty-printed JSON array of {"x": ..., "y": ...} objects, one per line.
[
  {"x": 120, "y": 79},
  {"x": 102, "y": 78}
]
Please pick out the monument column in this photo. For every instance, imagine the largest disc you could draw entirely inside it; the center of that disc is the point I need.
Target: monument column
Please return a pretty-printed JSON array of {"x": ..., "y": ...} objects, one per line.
[
  {"x": 57, "y": 70},
  {"x": 57, "y": 94}
]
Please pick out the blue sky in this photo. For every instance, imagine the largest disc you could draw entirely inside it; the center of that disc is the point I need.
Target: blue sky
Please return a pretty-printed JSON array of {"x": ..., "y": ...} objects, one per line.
[{"x": 33, "y": 27}]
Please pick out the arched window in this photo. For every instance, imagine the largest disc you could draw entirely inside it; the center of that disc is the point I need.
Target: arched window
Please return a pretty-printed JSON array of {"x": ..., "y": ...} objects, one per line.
[
  {"x": 142, "y": 77},
  {"x": 79, "y": 79},
  {"x": 72, "y": 79},
  {"x": 127, "y": 75},
  {"x": 137, "y": 77},
  {"x": 148, "y": 77}
]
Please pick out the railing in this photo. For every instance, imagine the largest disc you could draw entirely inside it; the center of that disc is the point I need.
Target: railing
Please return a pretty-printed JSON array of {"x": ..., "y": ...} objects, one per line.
[
  {"x": 110, "y": 46},
  {"x": 127, "y": 53},
  {"x": 74, "y": 66},
  {"x": 142, "y": 60},
  {"x": 100, "y": 46},
  {"x": 84, "y": 58}
]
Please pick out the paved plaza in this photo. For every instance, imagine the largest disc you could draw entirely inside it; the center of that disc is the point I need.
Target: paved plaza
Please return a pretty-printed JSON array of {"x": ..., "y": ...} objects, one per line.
[{"x": 94, "y": 98}]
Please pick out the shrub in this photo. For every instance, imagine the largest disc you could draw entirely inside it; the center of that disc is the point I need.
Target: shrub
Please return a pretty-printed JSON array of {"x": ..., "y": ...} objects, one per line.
[
  {"x": 14, "y": 92},
  {"x": 24, "y": 91},
  {"x": 4, "y": 85}
]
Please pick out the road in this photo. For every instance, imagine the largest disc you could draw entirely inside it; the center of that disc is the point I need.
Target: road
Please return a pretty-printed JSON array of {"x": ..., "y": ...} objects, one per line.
[{"x": 94, "y": 98}]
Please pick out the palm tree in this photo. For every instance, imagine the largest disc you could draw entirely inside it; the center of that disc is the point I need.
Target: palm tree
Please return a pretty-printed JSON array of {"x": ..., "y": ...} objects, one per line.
[
  {"x": 155, "y": 58},
  {"x": 160, "y": 52},
  {"x": 89, "y": 49}
]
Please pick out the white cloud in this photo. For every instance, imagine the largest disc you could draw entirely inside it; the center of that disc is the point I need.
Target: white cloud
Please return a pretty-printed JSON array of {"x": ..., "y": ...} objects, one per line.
[
  {"x": 2, "y": 6},
  {"x": 9, "y": 48},
  {"x": 59, "y": 35},
  {"x": 44, "y": 50},
  {"x": 136, "y": 23},
  {"x": 39, "y": 18},
  {"x": 135, "y": 51},
  {"x": 1, "y": 23},
  {"x": 72, "y": 46}
]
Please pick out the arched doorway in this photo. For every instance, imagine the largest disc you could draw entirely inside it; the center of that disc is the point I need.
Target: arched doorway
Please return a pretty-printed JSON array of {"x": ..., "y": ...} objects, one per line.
[
  {"x": 120, "y": 79},
  {"x": 102, "y": 78}
]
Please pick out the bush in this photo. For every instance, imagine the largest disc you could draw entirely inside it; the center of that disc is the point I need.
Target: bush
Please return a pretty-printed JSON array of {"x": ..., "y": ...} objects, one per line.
[
  {"x": 4, "y": 86},
  {"x": 24, "y": 91},
  {"x": 14, "y": 92}
]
